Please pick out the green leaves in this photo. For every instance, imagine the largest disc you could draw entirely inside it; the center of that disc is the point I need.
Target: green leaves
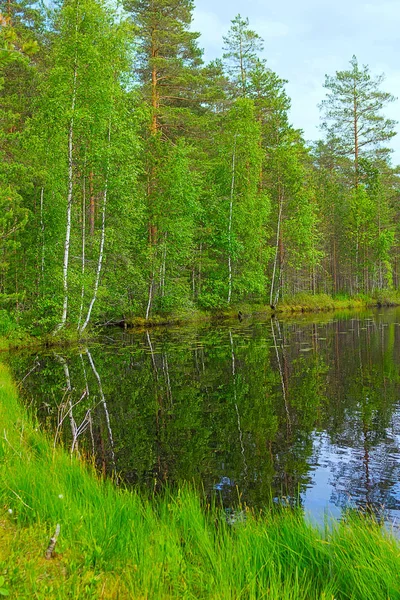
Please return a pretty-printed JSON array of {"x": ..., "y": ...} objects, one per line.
[{"x": 3, "y": 590}]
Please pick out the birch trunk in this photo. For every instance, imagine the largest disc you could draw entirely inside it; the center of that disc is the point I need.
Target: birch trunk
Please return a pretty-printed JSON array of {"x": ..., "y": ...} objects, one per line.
[
  {"x": 150, "y": 297},
  {"x": 167, "y": 377},
  {"x": 278, "y": 233},
  {"x": 102, "y": 239},
  {"x": 42, "y": 232},
  {"x": 83, "y": 250},
  {"x": 92, "y": 212},
  {"x": 74, "y": 427},
  {"x": 153, "y": 360},
  {"x": 107, "y": 414},
  {"x": 163, "y": 266},
  {"x": 70, "y": 186},
  {"x": 282, "y": 378},
  {"x": 240, "y": 431}
]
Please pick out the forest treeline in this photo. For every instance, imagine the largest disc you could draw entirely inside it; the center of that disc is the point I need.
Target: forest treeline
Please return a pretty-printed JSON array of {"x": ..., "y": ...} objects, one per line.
[{"x": 135, "y": 179}]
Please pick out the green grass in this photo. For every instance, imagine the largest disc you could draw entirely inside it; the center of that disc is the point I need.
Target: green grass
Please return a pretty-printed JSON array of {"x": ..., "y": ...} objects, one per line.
[
  {"x": 118, "y": 544},
  {"x": 298, "y": 303},
  {"x": 323, "y": 302}
]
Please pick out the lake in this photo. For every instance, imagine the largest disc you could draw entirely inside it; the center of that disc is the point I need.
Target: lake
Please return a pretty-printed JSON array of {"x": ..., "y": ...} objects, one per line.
[{"x": 302, "y": 411}]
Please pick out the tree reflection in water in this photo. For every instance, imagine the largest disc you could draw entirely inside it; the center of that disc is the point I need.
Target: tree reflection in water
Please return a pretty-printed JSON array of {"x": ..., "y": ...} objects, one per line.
[{"x": 303, "y": 409}]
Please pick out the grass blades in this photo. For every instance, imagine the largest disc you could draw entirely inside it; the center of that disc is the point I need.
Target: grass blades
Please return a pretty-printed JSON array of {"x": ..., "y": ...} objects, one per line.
[{"x": 118, "y": 544}]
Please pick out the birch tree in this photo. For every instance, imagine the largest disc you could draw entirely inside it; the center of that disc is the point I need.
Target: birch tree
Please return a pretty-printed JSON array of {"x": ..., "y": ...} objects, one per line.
[
  {"x": 238, "y": 210},
  {"x": 80, "y": 96}
]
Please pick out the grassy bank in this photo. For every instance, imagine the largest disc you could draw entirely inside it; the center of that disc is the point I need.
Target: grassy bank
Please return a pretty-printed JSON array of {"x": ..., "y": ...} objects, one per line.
[
  {"x": 117, "y": 544},
  {"x": 299, "y": 303},
  {"x": 14, "y": 336}
]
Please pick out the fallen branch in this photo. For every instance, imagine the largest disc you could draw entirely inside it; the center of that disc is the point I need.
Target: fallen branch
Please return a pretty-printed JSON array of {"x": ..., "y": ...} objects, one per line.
[{"x": 53, "y": 542}]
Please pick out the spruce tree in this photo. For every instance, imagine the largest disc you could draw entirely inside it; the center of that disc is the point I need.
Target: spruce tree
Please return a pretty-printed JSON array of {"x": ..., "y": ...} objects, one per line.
[{"x": 20, "y": 56}]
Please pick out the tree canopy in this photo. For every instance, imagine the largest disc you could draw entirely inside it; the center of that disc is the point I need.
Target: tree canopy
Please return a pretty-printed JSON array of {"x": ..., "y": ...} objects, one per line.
[{"x": 137, "y": 180}]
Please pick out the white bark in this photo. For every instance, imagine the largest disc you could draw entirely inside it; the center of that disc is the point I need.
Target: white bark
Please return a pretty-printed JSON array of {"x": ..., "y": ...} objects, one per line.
[
  {"x": 153, "y": 360},
  {"x": 107, "y": 414},
  {"x": 245, "y": 469},
  {"x": 278, "y": 232},
  {"x": 83, "y": 250},
  {"x": 230, "y": 224},
  {"x": 70, "y": 186},
  {"x": 89, "y": 412},
  {"x": 283, "y": 385},
  {"x": 70, "y": 406},
  {"x": 102, "y": 239},
  {"x": 199, "y": 269},
  {"x": 150, "y": 297},
  {"x": 52, "y": 544},
  {"x": 42, "y": 231},
  {"x": 163, "y": 266},
  {"x": 166, "y": 377}
]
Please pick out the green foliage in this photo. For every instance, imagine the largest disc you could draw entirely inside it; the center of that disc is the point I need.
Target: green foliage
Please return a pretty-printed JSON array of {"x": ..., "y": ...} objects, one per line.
[
  {"x": 352, "y": 111},
  {"x": 7, "y": 323},
  {"x": 210, "y": 196},
  {"x": 3, "y": 590},
  {"x": 13, "y": 219},
  {"x": 45, "y": 317}
]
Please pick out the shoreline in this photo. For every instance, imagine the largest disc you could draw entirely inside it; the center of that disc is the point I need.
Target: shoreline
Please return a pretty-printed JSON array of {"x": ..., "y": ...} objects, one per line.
[{"x": 301, "y": 304}]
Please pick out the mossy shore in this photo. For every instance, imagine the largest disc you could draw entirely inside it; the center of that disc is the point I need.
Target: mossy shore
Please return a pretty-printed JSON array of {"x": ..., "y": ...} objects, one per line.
[{"x": 119, "y": 544}]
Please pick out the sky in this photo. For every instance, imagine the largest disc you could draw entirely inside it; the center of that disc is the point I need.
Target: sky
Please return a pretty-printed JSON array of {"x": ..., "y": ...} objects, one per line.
[{"x": 306, "y": 39}]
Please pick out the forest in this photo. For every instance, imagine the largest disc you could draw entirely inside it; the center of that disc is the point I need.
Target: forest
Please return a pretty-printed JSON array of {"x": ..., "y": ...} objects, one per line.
[{"x": 136, "y": 180}]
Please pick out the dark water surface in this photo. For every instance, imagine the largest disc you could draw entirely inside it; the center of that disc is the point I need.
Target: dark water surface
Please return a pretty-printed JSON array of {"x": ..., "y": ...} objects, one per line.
[{"x": 305, "y": 409}]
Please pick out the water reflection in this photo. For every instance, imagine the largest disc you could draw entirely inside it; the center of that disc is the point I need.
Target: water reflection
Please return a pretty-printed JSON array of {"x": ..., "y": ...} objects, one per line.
[{"x": 308, "y": 411}]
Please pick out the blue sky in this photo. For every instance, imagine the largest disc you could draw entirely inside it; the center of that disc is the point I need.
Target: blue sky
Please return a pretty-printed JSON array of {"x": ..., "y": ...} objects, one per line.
[{"x": 306, "y": 39}]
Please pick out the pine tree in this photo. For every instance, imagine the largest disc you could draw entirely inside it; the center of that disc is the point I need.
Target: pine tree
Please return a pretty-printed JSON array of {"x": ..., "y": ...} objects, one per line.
[
  {"x": 241, "y": 49},
  {"x": 352, "y": 113},
  {"x": 357, "y": 132},
  {"x": 169, "y": 75},
  {"x": 168, "y": 60}
]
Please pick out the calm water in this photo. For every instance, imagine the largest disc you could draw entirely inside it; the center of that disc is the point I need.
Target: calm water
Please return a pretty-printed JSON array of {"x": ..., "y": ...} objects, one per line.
[{"x": 304, "y": 410}]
